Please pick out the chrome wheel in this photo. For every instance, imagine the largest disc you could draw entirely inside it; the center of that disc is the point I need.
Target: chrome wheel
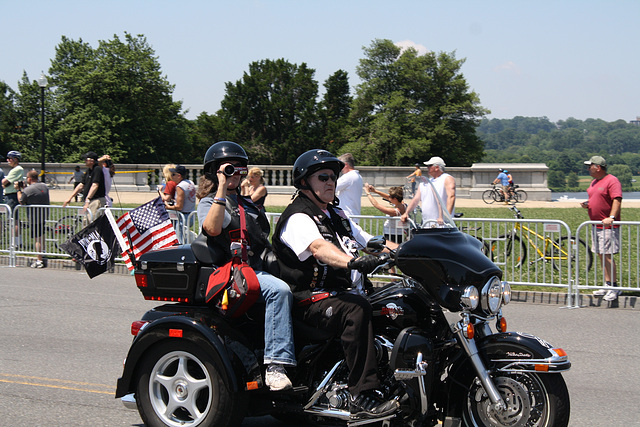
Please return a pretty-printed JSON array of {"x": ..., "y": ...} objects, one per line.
[{"x": 180, "y": 389}]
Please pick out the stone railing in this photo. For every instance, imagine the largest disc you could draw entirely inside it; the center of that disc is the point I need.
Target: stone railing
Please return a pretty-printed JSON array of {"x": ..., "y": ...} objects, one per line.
[{"x": 471, "y": 182}]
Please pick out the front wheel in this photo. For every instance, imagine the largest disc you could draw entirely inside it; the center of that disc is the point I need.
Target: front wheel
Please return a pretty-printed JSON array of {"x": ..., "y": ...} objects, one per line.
[
  {"x": 488, "y": 196},
  {"x": 181, "y": 385},
  {"x": 531, "y": 399}
]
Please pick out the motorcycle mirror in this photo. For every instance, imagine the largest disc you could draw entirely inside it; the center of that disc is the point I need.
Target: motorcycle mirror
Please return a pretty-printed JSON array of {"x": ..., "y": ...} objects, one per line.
[{"x": 376, "y": 244}]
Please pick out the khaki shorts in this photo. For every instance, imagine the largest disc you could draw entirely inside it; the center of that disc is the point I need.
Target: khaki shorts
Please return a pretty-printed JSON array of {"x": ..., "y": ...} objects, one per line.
[
  {"x": 95, "y": 204},
  {"x": 606, "y": 240}
]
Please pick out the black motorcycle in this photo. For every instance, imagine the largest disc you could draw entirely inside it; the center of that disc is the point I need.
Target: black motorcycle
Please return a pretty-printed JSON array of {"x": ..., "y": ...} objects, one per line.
[{"x": 189, "y": 365}]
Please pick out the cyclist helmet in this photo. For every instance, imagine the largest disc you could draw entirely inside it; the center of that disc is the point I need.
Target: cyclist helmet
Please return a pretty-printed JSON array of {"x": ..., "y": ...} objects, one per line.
[
  {"x": 223, "y": 151},
  {"x": 505, "y": 171},
  {"x": 309, "y": 162},
  {"x": 13, "y": 154}
]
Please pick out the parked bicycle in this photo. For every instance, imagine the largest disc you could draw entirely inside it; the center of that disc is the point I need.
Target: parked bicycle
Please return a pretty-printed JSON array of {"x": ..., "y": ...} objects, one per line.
[
  {"x": 516, "y": 242},
  {"x": 62, "y": 229},
  {"x": 495, "y": 194}
]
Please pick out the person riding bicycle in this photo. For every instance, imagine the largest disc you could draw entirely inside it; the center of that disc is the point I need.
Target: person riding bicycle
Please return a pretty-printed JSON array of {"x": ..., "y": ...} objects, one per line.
[{"x": 503, "y": 179}]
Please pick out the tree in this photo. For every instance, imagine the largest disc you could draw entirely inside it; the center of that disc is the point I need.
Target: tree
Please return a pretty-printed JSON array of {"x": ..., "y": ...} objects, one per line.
[
  {"x": 8, "y": 117},
  {"x": 334, "y": 110},
  {"x": 623, "y": 173},
  {"x": 272, "y": 111},
  {"x": 556, "y": 180},
  {"x": 114, "y": 100},
  {"x": 412, "y": 106}
]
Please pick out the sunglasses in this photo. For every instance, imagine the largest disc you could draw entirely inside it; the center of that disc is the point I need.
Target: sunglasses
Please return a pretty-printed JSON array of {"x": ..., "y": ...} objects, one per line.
[{"x": 324, "y": 177}]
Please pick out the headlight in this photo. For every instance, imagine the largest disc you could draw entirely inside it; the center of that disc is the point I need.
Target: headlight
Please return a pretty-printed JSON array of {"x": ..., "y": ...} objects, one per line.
[
  {"x": 470, "y": 297},
  {"x": 506, "y": 293},
  {"x": 492, "y": 296}
]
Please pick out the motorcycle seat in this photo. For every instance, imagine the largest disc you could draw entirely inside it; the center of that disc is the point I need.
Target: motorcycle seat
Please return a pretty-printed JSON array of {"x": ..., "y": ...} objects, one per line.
[{"x": 204, "y": 253}]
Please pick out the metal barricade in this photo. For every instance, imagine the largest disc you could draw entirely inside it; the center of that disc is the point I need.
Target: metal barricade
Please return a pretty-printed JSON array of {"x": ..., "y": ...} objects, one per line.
[
  {"x": 536, "y": 252},
  {"x": 193, "y": 227},
  {"x": 7, "y": 233},
  {"x": 591, "y": 269},
  {"x": 41, "y": 229}
]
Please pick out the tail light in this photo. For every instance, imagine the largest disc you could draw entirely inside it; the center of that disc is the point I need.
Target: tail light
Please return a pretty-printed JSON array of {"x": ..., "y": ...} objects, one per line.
[
  {"x": 141, "y": 280},
  {"x": 136, "y": 326}
]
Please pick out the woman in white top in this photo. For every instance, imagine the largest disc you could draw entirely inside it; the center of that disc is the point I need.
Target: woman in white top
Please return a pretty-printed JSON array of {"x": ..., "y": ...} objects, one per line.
[{"x": 393, "y": 228}]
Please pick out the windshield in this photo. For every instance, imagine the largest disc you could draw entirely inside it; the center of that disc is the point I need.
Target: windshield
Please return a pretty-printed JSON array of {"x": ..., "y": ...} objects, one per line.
[{"x": 434, "y": 213}]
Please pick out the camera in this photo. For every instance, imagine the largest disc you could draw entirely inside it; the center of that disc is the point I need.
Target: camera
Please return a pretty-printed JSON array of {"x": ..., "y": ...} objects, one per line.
[
  {"x": 229, "y": 170},
  {"x": 20, "y": 184}
]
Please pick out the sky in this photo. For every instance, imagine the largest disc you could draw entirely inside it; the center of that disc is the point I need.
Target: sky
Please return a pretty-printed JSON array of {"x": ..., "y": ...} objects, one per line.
[{"x": 556, "y": 59}]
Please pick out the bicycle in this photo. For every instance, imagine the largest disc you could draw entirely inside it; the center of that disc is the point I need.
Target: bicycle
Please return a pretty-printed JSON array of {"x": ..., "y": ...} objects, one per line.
[
  {"x": 495, "y": 194},
  {"x": 555, "y": 251},
  {"x": 63, "y": 229},
  {"x": 51, "y": 182}
]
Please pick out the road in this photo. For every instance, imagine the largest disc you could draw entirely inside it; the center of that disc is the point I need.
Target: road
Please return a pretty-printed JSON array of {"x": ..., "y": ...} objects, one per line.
[{"x": 64, "y": 338}]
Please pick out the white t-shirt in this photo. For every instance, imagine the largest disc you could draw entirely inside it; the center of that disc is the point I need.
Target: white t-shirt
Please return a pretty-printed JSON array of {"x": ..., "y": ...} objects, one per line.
[
  {"x": 300, "y": 231},
  {"x": 349, "y": 191},
  {"x": 189, "y": 204},
  {"x": 430, "y": 204}
]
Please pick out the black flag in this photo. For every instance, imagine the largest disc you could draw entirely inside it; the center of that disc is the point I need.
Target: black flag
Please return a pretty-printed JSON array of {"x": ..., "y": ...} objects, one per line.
[{"x": 95, "y": 246}]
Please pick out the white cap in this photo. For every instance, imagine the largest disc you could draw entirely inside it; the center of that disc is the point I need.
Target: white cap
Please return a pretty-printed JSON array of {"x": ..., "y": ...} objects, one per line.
[{"x": 435, "y": 161}]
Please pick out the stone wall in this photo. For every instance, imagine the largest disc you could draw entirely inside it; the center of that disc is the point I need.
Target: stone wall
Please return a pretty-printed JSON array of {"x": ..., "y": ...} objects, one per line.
[{"x": 471, "y": 182}]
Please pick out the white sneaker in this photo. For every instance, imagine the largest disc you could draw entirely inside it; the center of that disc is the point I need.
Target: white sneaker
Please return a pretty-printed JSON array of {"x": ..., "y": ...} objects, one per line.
[
  {"x": 276, "y": 378},
  {"x": 602, "y": 291},
  {"x": 37, "y": 264},
  {"x": 612, "y": 295}
]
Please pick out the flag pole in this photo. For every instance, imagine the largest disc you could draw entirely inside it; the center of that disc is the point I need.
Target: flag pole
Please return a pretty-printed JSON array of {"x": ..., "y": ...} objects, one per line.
[{"x": 116, "y": 230}]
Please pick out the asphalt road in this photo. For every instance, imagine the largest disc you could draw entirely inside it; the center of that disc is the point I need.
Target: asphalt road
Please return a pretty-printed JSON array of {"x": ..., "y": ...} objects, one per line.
[{"x": 64, "y": 337}]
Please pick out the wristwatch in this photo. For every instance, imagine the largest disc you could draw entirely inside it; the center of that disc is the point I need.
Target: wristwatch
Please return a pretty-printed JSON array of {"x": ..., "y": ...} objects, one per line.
[{"x": 612, "y": 216}]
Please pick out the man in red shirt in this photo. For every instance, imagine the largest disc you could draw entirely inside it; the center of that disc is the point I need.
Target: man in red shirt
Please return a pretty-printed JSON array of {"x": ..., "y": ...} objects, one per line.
[{"x": 605, "y": 201}]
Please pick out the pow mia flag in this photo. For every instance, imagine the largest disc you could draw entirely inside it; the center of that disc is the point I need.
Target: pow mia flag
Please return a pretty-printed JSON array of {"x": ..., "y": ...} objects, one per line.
[{"x": 95, "y": 246}]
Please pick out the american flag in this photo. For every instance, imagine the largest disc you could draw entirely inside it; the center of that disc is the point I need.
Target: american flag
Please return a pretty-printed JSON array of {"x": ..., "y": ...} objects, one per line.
[{"x": 150, "y": 228}]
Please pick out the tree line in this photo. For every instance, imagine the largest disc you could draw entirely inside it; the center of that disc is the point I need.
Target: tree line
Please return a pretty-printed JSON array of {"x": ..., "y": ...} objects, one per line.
[
  {"x": 564, "y": 146},
  {"x": 114, "y": 99}
]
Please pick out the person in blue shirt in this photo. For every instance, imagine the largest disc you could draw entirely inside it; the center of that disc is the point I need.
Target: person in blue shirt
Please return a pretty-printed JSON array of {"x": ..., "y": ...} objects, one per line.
[{"x": 503, "y": 179}]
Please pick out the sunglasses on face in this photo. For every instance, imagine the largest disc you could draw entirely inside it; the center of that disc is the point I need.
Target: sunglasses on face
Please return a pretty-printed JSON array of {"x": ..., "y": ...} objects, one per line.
[{"x": 324, "y": 177}]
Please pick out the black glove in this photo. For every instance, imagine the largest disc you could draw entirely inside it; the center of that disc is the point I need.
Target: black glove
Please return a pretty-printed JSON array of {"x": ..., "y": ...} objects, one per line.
[{"x": 364, "y": 264}]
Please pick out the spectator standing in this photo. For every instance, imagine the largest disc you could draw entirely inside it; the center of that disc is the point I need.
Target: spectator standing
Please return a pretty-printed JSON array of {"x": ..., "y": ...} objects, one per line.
[
  {"x": 16, "y": 174},
  {"x": 503, "y": 180},
  {"x": 77, "y": 180},
  {"x": 349, "y": 187},
  {"x": 1, "y": 186},
  {"x": 185, "y": 198},
  {"x": 168, "y": 190},
  {"x": 445, "y": 191},
  {"x": 36, "y": 193},
  {"x": 92, "y": 186},
  {"x": 317, "y": 247},
  {"x": 604, "y": 204},
  {"x": 393, "y": 228},
  {"x": 253, "y": 187},
  {"x": 414, "y": 177},
  {"x": 108, "y": 171}
]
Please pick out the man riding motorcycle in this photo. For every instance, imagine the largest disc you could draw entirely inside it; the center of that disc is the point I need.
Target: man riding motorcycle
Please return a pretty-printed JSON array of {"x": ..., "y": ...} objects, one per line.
[{"x": 317, "y": 247}]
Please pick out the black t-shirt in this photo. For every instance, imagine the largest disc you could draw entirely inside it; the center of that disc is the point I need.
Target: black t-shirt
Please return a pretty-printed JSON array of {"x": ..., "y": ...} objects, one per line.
[{"x": 91, "y": 176}]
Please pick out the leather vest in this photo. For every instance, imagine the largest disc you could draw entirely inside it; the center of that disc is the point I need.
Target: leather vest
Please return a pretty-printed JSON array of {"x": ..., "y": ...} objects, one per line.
[
  {"x": 257, "y": 233},
  {"x": 309, "y": 275}
]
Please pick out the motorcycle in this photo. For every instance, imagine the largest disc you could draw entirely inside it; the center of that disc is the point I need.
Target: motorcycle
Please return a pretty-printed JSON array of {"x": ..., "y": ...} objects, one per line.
[{"x": 437, "y": 354}]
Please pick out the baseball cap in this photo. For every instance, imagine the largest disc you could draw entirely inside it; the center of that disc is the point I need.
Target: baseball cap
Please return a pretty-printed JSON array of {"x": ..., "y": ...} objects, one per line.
[
  {"x": 435, "y": 161},
  {"x": 91, "y": 155},
  {"x": 179, "y": 169},
  {"x": 596, "y": 160}
]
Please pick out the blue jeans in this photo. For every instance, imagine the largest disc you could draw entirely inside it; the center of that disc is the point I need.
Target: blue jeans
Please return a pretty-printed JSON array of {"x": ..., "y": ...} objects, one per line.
[{"x": 278, "y": 327}]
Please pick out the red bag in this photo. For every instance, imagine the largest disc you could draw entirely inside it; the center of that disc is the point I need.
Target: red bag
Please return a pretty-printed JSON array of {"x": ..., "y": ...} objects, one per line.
[
  {"x": 236, "y": 286},
  {"x": 235, "y": 282}
]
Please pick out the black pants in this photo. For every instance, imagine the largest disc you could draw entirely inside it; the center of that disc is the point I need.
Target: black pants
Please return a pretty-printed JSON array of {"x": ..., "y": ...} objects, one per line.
[{"x": 349, "y": 316}]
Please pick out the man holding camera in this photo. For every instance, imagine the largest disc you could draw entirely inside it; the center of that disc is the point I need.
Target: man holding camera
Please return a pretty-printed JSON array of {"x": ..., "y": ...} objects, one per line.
[{"x": 16, "y": 174}]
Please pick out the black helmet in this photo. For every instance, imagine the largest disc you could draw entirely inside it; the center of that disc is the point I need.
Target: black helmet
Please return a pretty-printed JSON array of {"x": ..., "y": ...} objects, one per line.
[
  {"x": 223, "y": 150},
  {"x": 313, "y": 160}
]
